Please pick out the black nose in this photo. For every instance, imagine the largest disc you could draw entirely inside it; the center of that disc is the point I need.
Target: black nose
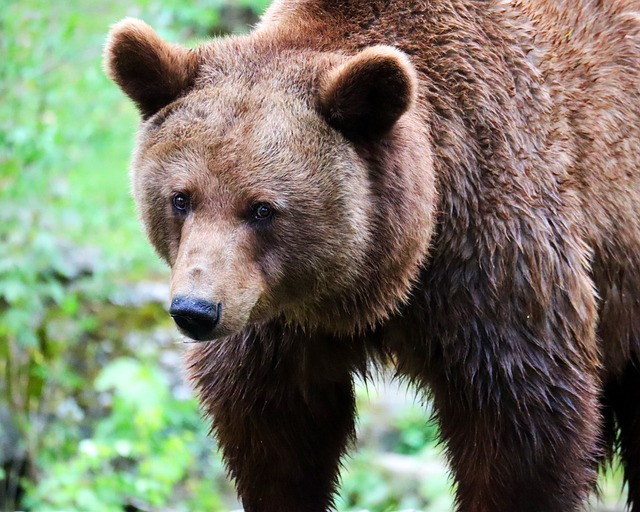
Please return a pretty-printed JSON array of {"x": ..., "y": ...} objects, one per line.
[{"x": 196, "y": 318}]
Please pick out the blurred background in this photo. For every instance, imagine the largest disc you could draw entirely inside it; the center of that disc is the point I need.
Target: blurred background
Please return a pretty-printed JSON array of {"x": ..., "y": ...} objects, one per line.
[{"x": 95, "y": 414}]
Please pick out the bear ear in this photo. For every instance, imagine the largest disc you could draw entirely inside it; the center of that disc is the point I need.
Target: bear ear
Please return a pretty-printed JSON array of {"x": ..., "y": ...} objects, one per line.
[
  {"x": 365, "y": 96},
  {"x": 151, "y": 71}
]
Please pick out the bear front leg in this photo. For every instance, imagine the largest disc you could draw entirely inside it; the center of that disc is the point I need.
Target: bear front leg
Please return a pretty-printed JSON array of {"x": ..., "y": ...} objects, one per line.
[
  {"x": 536, "y": 452},
  {"x": 521, "y": 422},
  {"x": 281, "y": 417}
]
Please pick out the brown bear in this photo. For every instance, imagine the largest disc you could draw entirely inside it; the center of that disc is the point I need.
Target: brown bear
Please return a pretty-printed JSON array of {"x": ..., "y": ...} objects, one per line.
[{"x": 449, "y": 186}]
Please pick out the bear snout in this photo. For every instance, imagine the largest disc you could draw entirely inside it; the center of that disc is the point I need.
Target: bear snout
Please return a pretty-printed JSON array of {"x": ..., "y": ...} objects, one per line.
[{"x": 196, "y": 318}]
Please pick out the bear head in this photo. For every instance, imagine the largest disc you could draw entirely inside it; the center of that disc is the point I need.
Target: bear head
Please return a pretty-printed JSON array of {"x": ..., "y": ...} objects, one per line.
[{"x": 278, "y": 181}]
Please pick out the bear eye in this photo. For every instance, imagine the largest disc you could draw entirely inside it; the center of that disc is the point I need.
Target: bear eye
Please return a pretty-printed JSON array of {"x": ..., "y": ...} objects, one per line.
[
  {"x": 262, "y": 211},
  {"x": 180, "y": 202}
]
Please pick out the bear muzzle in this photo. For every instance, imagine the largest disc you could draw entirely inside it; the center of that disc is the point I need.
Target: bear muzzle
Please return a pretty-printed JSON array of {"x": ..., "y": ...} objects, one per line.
[{"x": 196, "y": 318}]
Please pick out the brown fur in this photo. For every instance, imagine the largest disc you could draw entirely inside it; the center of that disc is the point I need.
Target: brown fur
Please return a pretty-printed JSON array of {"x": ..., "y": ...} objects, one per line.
[{"x": 466, "y": 205}]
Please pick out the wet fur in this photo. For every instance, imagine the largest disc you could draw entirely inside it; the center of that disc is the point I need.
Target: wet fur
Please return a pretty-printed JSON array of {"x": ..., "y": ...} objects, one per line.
[{"x": 523, "y": 320}]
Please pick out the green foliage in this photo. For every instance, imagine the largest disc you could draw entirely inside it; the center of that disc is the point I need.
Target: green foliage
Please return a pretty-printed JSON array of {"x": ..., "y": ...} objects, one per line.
[
  {"x": 415, "y": 432},
  {"x": 142, "y": 454},
  {"x": 69, "y": 243},
  {"x": 366, "y": 488},
  {"x": 36, "y": 267},
  {"x": 399, "y": 465}
]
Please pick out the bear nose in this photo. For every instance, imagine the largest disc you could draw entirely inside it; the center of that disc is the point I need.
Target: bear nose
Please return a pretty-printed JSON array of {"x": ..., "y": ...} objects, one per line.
[{"x": 196, "y": 318}]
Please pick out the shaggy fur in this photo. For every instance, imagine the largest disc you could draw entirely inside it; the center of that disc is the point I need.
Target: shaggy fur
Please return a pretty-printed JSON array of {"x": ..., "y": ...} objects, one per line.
[{"x": 465, "y": 205}]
